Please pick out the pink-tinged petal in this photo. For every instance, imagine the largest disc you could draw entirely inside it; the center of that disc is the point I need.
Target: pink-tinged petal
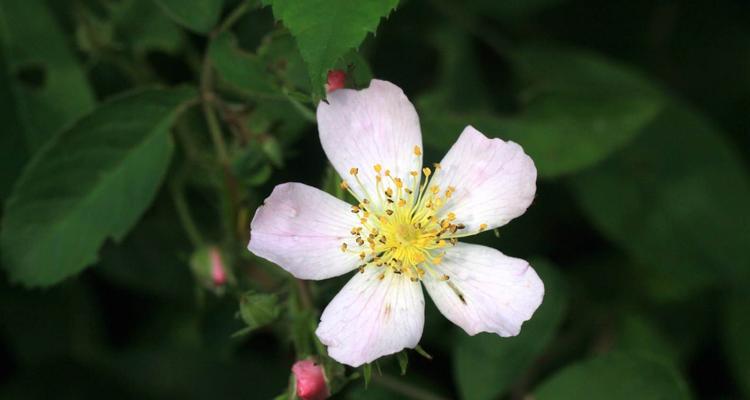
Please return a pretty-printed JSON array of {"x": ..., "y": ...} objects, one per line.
[
  {"x": 363, "y": 128},
  {"x": 301, "y": 229},
  {"x": 494, "y": 180},
  {"x": 486, "y": 291},
  {"x": 371, "y": 318}
]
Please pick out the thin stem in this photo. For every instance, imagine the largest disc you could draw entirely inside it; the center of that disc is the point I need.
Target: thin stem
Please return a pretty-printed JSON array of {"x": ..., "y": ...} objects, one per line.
[
  {"x": 236, "y": 14},
  {"x": 212, "y": 121},
  {"x": 304, "y": 294},
  {"x": 405, "y": 389},
  {"x": 184, "y": 215}
]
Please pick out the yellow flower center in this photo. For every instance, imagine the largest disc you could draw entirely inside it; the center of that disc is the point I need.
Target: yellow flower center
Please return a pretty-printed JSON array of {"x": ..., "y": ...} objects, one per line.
[{"x": 403, "y": 227}]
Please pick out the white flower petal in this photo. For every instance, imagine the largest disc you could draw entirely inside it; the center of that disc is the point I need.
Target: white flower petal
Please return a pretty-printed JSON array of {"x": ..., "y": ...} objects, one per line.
[
  {"x": 499, "y": 292},
  {"x": 371, "y": 318},
  {"x": 495, "y": 181},
  {"x": 377, "y": 125},
  {"x": 301, "y": 229}
]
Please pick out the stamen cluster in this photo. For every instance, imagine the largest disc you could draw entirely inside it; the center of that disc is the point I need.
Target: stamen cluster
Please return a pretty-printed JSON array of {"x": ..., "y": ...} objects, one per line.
[{"x": 403, "y": 227}]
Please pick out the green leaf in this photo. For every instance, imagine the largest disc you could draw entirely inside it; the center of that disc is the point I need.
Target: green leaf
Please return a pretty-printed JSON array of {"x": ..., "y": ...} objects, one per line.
[
  {"x": 638, "y": 334},
  {"x": 37, "y": 70},
  {"x": 325, "y": 30},
  {"x": 578, "y": 109},
  {"x": 736, "y": 333},
  {"x": 486, "y": 365},
  {"x": 244, "y": 71},
  {"x": 615, "y": 376},
  {"x": 258, "y": 309},
  {"x": 199, "y": 16},
  {"x": 676, "y": 201},
  {"x": 92, "y": 182},
  {"x": 143, "y": 27}
]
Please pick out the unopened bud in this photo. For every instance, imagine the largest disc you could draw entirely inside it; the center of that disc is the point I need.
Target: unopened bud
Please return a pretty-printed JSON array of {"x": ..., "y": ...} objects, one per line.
[
  {"x": 336, "y": 80},
  {"x": 210, "y": 269},
  {"x": 310, "y": 379},
  {"x": 218, "y": 270}
]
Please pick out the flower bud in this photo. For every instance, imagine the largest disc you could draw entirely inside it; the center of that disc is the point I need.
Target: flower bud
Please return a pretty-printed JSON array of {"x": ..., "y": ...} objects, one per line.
[
  {"x": 310, "y": 379},
  {"x": 336, "y": 80},
  {"x": 210, "y": 269},
  {"x": 218, "y": 270}
]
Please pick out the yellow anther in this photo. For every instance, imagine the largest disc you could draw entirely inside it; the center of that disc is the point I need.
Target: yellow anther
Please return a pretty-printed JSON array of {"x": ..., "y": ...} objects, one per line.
[
  {"x": 435, "y": 189},
  {"x": 437, "y": 166},
  {"x": 388, "y": 172},
  {"x": 445, "y": 278},
  {"x": 401, "y": 202},
  {"x": 399, "y": 183},
  {"x": 389, "y": 212},
  {"x": 482, "y": 227},
  {"x": 343, "y": 185},
  {"x": 413, "y": 173},
  {"x": 343, "y": 247},
  {"x": 363, "y": 220},
  {"x": 441, "y": 243},
  {"x": 437, "y": 260},
  {"x": 355, "y": 209},
  {"x": 452, "y": 216},
  {"x": 378, "y": 178},
  {"x": 354, "y": 171},
  {"x": 389, "y": 192},
  {"x": 426, "y": 171},
  {"x": 362, "y": 255},
  {"x": 417, "y": 151},
  {"x": 377, "y": 168}
]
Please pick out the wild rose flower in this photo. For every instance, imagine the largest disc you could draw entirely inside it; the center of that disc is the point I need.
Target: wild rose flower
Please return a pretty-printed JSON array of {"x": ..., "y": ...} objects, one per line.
[
  {"x": 403, "y": 232},
  {"x": 310, "y": 380}
]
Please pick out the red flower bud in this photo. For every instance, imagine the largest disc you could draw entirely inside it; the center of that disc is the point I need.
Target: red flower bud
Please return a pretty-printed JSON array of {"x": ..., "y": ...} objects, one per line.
[
  {"x": 311, "y": 381},
  {"x": 218, "y": 273},
  {"x": 336, "y": 80}
]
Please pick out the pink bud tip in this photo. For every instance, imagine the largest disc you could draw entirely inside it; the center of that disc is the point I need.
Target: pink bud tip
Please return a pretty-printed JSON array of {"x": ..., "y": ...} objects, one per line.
[
  {"x": 218, "y": 274},
  {"x": 311, "y": 382},
  {"x": 336, "y": 80}
]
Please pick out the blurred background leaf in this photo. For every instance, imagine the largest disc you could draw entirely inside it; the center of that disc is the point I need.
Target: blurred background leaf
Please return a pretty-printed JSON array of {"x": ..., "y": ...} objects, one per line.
[
  {"x": 199, "y": 16},
  {"x": 70, "y": 198},
  {"x": 575, "y": 109},
  {"x": 38, "y": 69},
  {"x": 676, "y": 201},
  {"x": 615, "y": 376}
]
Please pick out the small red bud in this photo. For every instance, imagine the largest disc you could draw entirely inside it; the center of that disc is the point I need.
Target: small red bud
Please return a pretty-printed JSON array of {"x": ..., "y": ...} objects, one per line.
[
  {"x": 311, "y": 381},
  {"x": 336, "y": 80},
  {"x": 218, "y": 273}
]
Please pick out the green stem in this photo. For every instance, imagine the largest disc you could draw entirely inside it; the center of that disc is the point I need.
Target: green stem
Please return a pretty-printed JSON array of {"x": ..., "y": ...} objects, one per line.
[
  {"x": 236, "y": 14},
  {"x": 184, "y": 215}
]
